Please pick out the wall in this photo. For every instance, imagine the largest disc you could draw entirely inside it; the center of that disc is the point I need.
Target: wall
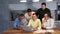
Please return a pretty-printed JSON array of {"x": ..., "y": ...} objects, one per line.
[
  {"x": 4, "y": 15},
  {"x": 34, "y": 6}
]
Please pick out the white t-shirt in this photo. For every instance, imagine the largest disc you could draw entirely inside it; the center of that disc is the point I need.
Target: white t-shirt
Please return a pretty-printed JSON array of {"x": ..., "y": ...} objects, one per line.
[
  {"x": 27, "y": 16},
  {"x": 49, "y": 24}
]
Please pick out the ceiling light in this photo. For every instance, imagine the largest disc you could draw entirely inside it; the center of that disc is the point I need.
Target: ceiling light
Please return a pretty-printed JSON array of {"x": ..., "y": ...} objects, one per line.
[
  {"x": 35, "y": 0},
  {"x": 23, "y": 0},
  {"x": 48, "y": 0}
]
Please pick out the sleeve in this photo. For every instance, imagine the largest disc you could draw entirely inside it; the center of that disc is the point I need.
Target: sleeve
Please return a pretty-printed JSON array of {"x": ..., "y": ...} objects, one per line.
[
  {"x": 52, "y": 23},
  {"x": 26, "y": 22},
  {"x": 37, "y": 12},
  {"x": 49, "y": 13},
  {"x": 39, "y": 24},
  {"x": 29, "y": 24},
  {"x": 15, "y": 23},
  {"x": 25, "y": 16}
]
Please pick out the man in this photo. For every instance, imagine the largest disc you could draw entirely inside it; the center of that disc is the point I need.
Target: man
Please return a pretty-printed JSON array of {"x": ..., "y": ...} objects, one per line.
[
  {"x": 41, "y": 11},
  {"x": 28, "y": 14},
  {"x": 20, "y": 22}
]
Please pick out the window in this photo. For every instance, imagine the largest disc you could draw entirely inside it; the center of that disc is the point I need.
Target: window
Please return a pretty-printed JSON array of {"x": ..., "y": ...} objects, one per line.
[
  {"x": 23, "y": 0},
  {"x": 35, "y": 0},
  {"x": 48, "y": 0}
]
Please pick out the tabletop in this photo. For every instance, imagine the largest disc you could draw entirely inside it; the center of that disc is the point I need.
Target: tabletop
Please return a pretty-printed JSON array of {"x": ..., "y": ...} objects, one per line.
[{"x": 13, "y": 31}]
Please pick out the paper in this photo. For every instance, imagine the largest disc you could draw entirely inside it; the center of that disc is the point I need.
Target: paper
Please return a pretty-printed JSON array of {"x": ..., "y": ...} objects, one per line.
[
  {"x": 49, "y": 30},
  {"x": 43, "y": 31},
  {"x": 40, "y": 31}
]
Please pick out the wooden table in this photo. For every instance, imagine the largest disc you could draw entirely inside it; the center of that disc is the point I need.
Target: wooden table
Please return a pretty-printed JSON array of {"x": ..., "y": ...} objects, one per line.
[{"x": 12, "y": 31}]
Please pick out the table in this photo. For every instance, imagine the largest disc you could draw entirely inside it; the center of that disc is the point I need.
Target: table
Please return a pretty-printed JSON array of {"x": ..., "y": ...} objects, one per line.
[{"x": 12, "y": 31}]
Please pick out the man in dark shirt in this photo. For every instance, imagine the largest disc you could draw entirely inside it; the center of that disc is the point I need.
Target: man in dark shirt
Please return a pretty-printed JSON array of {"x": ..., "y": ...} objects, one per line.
[{"x": 41, "y": 11}]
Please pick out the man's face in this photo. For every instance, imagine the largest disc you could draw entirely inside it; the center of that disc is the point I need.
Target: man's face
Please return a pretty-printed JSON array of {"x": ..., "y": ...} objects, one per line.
[
  {"x": 43, "y": 7},
  {"x": 29, "y": 13},
  {"x": 21, "y": 17}
]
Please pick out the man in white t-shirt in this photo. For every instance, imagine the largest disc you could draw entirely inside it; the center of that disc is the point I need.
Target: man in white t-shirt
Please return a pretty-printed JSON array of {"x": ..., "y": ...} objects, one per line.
[{"x": 28, "y": 15}]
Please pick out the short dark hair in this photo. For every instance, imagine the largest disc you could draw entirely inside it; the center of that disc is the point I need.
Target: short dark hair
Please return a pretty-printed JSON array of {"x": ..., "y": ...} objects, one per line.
[
  {"x": 21, "y": 15},
  {"x": 29, "y": 10},
  {"x": 43, "y": 3}
]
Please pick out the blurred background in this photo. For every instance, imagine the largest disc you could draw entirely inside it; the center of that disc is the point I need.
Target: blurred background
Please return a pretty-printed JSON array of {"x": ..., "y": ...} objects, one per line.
[{"x": 9, "y": 10}]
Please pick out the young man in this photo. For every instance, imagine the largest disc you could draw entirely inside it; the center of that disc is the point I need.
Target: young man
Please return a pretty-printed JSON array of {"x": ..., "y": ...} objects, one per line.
[
  {"x": 34, "y": 23},
  {"x": 41, "y": 11},
  {"x": 47, "y": 22},
  {"x": 28, "y": 15},
  {"x": 20, "y": 22}
]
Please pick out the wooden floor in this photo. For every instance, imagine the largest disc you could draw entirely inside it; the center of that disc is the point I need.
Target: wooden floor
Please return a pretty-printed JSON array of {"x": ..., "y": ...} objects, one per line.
[{"x": 12, "y": 31}]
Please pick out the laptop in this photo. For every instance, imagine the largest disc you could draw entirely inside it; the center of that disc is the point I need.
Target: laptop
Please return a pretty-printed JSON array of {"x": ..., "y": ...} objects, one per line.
[{"x": 27, "y": 28}]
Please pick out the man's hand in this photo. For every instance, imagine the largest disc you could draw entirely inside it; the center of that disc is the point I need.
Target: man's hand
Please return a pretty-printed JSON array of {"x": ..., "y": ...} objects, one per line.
[{"x": 20, "y": 28}]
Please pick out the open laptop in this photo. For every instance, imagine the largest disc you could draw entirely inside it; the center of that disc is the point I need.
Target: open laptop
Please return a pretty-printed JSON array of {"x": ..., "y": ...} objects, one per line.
[{"x": 27, "y": 28}]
